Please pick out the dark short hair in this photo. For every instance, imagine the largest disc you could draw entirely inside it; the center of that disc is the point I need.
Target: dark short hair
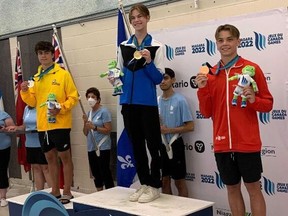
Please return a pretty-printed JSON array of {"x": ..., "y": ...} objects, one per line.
[
  {"x": 44, "y": 46},
  {"x": 169, "y": 72},
  {"x": 94, "y": 91},
  {"x": 227, "y": 27},
  {"x": 141, "y": 8}
]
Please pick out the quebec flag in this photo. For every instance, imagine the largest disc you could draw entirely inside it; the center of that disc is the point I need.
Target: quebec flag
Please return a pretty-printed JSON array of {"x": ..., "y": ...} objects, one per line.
[{"x": 126, "y": 170}]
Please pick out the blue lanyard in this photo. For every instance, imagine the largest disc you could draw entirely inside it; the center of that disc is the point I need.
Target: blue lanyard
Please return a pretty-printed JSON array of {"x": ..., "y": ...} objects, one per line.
[
  {"x": 228, "y": 65},
  {"x": 141, "y": 46}
]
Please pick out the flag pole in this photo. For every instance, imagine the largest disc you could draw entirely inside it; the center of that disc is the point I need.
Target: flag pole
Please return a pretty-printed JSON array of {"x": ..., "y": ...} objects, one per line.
[
  {"x": 20, "y": 55},
  {"x": 125, "y": 17},
  {"x": 67, "y": 66}
]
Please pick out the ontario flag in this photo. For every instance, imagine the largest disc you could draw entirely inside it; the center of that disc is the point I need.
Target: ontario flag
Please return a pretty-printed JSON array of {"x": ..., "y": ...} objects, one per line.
[
  {"x": 20, "y": 105},
  {"x": 58, "y": 58},
  {"x": 126, "y": 170}
]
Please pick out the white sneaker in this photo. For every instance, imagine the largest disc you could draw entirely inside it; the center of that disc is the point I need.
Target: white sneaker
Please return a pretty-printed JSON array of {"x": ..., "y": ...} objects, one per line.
[
  {"x": 3, "y": 202},
  {"x": 135, "y": 196},
  {"x": 149, "y": 195}
]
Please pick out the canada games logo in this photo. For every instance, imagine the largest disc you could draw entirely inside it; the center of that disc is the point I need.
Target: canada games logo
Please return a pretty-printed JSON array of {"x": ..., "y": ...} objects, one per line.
[
  {"x": 169, "y": 52},
  {"x": 210, "y": 47},
  {"x": 261, "y": 41},
  {"x": 264, "y": 117}
]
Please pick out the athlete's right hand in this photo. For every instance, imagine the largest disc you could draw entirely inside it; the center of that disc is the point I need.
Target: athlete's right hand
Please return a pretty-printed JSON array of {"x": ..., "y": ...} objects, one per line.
[
  {"x": 24, "y": 86},
  {"x": 201, "y": 80}
]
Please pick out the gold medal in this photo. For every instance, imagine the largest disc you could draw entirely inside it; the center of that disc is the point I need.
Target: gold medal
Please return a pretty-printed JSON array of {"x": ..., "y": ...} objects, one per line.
[{"x": 137, "y": 55}]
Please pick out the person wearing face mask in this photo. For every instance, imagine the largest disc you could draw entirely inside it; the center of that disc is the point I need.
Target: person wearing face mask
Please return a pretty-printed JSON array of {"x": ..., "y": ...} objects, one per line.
[{"x": 97, "y": 123}]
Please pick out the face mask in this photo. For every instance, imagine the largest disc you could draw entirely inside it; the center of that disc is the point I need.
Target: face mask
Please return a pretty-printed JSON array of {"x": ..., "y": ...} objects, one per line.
[{"x": 91, "y": 102}]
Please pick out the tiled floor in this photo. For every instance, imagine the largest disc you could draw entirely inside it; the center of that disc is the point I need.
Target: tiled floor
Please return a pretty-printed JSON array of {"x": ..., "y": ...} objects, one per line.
[{"x": 14, "y": 190}]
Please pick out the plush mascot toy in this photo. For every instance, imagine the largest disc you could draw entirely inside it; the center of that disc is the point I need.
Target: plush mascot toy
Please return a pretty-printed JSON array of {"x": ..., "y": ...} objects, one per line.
[
  {"x": 113, "y": 75},
  {"x": 51, "y": 103},
  {"x": 244, "y": 79}
]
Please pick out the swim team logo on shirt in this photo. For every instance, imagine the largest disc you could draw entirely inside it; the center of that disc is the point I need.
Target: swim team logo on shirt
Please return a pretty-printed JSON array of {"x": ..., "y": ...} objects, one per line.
[{"x": 54, "y": 82}]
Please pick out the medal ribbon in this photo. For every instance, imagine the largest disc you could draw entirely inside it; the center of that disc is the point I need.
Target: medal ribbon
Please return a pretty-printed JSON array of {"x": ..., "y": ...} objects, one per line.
[
  {"x": 43, "y": 72},
  {"x": 228, "y": 65}
]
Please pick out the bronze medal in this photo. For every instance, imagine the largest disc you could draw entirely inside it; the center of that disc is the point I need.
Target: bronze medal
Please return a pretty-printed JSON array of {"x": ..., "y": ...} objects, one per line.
[{"x": 204, "y": 70}]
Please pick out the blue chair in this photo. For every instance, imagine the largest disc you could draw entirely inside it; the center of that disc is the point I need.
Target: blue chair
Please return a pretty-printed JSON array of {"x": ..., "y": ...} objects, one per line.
[{"x": 41, "y": 203}]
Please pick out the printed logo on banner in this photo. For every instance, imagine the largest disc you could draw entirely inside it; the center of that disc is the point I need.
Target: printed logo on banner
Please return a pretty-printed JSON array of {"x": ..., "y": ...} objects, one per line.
[
  {"x": 275, "y": 38},
  {"x": 190, "y": 176},
  {"x": 199, "y": 115},
  {"x": 219, "y": 182},
  {"x": 225, "y": 212},
  {"x": 282, "y": 187},
  {"x": 264, "y": 117},
  {"x": 169, "y": 52},
  {"x": 181, "y": 50},
  {"x": 180, "y": 84},
  {"x": 193, "y": 83},
  {"x": 268, "y": 151},
  {"x": 246, "y": 42},
  {"x": 268, "y": 77},
  {"x": 198, "y": 48},
  {"x": 279, "y": 114},
  {"x": 260, "y": 41},
  {"x": 210, "y": 47},
  {"x": 269, "y": 186},
  {"x": 188, "y": 147},
  {"x": 207, "y": 179},
  {"x": 199, "y": 146}
]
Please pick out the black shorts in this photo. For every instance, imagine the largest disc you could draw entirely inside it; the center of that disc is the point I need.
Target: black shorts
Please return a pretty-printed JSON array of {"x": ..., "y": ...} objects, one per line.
[
  {"x": 35, "y": 156},
  {"x": 233, "y": 166},
  {"x": 58, "y": 138},
  {"x": 175, "y": 167}
]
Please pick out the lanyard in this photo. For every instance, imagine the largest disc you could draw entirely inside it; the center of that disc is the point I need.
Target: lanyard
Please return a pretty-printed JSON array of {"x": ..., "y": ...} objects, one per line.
[
  {"x": 228, "y": 65},
  {"x": 44, "y": 72},
  {"x": 141, "y": 46}
]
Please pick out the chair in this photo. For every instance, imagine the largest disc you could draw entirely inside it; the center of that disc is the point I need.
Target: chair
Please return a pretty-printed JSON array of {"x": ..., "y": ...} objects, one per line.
[{"x": 41, "y": 203}]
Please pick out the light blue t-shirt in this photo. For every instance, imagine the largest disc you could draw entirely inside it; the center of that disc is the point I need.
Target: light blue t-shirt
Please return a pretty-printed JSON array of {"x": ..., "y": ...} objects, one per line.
[
  {"x": 5, "y": 140},
  {"x": 174, "y": 112},
  {"x": 99, "y": 117},
  {"x": 29, "y": 120}
]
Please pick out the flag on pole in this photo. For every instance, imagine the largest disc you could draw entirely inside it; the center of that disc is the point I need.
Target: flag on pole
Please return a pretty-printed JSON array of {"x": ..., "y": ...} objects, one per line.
[
  {"x": 121, "y": 35},
  {"x": 126, "y": 170},
  {"x": 20, "y": 105},
  {"x": 58, "y": 58},
  {"x": 1, "y": 102}
]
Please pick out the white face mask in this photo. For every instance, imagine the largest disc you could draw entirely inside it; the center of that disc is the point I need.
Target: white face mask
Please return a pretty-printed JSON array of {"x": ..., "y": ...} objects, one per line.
[{"x": 91, "y": 102}]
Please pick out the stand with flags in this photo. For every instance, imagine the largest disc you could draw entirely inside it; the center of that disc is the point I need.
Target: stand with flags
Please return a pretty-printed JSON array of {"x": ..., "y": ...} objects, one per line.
[
  {"x": 20, "y": 105},
  {"x": 126, "y": 170}
]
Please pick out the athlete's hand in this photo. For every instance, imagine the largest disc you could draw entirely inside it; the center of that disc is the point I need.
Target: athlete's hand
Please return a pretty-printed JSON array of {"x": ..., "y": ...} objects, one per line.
[
  {"x": 201, "y": 80},
  {"x": 249, "y": 94},
  {"x": 24, "y": 86}
]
